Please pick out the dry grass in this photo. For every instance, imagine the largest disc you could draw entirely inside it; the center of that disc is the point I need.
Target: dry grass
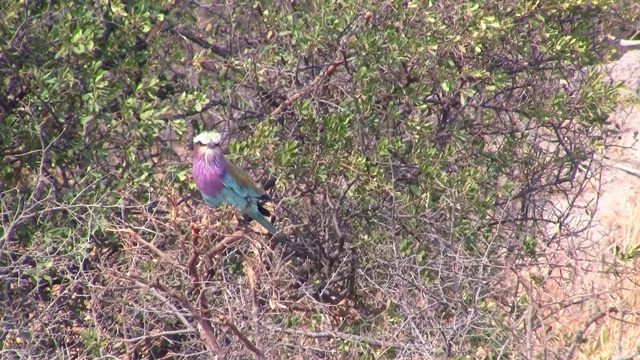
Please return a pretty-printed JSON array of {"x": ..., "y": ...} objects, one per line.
[
  {"x": 616, "y": 335},
  {"x": 588, "y": 304}
]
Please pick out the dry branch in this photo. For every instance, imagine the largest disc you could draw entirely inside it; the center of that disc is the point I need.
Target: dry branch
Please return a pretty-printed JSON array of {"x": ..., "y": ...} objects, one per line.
[
  {"x": 206, "y": 330},
  {"x": 134, "y": 235},
  {"x": 338, "y": 59},
  {"x": 343, "y": 336},
  {"x": 627, "y": 43}
]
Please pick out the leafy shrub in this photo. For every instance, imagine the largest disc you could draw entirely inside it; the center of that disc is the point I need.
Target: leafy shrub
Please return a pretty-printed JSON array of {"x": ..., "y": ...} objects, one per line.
[{"x": 419, "y": 149}]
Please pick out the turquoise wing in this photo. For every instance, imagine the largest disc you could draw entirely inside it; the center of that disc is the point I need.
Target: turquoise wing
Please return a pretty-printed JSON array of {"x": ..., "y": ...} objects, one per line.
[
  {"x": 247, "y": 200},
  {"x": 236, "y": 194},
  {"x": 233, "y": 193},
  {"x": 213, "y": 201}
]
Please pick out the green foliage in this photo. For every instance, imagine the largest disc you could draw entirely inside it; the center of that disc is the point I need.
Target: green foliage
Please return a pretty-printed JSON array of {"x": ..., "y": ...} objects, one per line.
[
  {"x": 80, "y": 114},
  {"x": 628, "y": 253},
  {"x": 413, "y": 144}
]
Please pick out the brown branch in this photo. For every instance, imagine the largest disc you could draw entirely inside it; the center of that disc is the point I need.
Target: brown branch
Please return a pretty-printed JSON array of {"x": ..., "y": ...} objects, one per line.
[
  {"x": 193, "y": 270},
  {"x": 240, "y": 335},
  {"x": 577, "y": 339},
  {"x": 344, "y": 336},
  {"x": 225, "y": 242},
  {"x": 255, "y": 305},
  {"x": 296, "y": 95},
  {"x": 206, "y": 330},
  {"x": 626, "y": 43},
  {"x": 336, "y": 223},
  {"x": 338, "y": 59},
  {"x": 161, "y": 334},
  {"x": 193, "y": 259},
  {"x": 632, "y": 356},
  {"x": 134, "y": 235},
  {"x": 216, "y": 49}
]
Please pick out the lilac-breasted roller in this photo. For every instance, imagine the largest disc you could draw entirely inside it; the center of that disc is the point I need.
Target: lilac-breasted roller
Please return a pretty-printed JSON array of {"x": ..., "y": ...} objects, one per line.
[{"x": 220, "y": 181}]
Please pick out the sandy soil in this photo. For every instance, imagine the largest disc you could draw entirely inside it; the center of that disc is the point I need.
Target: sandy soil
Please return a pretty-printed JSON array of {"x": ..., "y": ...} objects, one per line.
[
  {"x": 585, "y": 295},
  {"x": 619, "y": 187}
]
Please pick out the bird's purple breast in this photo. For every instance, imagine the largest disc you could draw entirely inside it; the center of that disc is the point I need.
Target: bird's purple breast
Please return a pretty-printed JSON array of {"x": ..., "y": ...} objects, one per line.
[{"x": 208, "y": 174}]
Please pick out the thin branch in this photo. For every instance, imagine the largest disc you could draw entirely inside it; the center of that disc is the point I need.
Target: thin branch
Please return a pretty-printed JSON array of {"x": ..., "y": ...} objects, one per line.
[
  {"x": 255, "y": 306},
  {"x": 293, "y": 97},
  {"x": 627, "y": 169},
  {"x": 632, "y": 356},
  {"x": 193, "y": 259},
  {"x": 577, "y": 339},
  {"x": 165, "y": 333},
  {"x": 338, "y": 59},
  {"x": 149, "y": 245},
  {"x": 240, "y": 335},
  {"x": 225, "y": 242},
  {"x": 216, "y": 49},
  {"x": 626, "y": 43},
  {"x": 206, "y": 330},
  {"x": 344, "y": 336}
]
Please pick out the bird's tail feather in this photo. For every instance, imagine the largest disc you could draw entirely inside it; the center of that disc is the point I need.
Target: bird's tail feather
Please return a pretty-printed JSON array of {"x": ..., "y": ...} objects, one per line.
[{"x": 255, "y": 214}]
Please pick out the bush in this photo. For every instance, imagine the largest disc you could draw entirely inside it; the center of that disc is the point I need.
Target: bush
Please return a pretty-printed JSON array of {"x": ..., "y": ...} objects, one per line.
[{"x": 421, "y": 153}]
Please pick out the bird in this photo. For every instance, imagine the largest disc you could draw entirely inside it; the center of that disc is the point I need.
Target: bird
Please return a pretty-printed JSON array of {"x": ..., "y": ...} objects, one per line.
[{"x": 220, "y": 181}]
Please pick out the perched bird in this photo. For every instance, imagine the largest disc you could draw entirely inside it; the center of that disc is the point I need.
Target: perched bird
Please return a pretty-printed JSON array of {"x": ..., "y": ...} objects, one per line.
[{"x": 220, "y": 181}]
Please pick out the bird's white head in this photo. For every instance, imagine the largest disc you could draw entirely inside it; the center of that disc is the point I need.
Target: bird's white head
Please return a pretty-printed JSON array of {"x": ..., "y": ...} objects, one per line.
[{"x": 208, "y": 144}]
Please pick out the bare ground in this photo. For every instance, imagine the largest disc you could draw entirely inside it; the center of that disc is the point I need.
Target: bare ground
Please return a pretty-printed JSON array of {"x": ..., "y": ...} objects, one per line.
[{"x": 589, "y": 304}]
